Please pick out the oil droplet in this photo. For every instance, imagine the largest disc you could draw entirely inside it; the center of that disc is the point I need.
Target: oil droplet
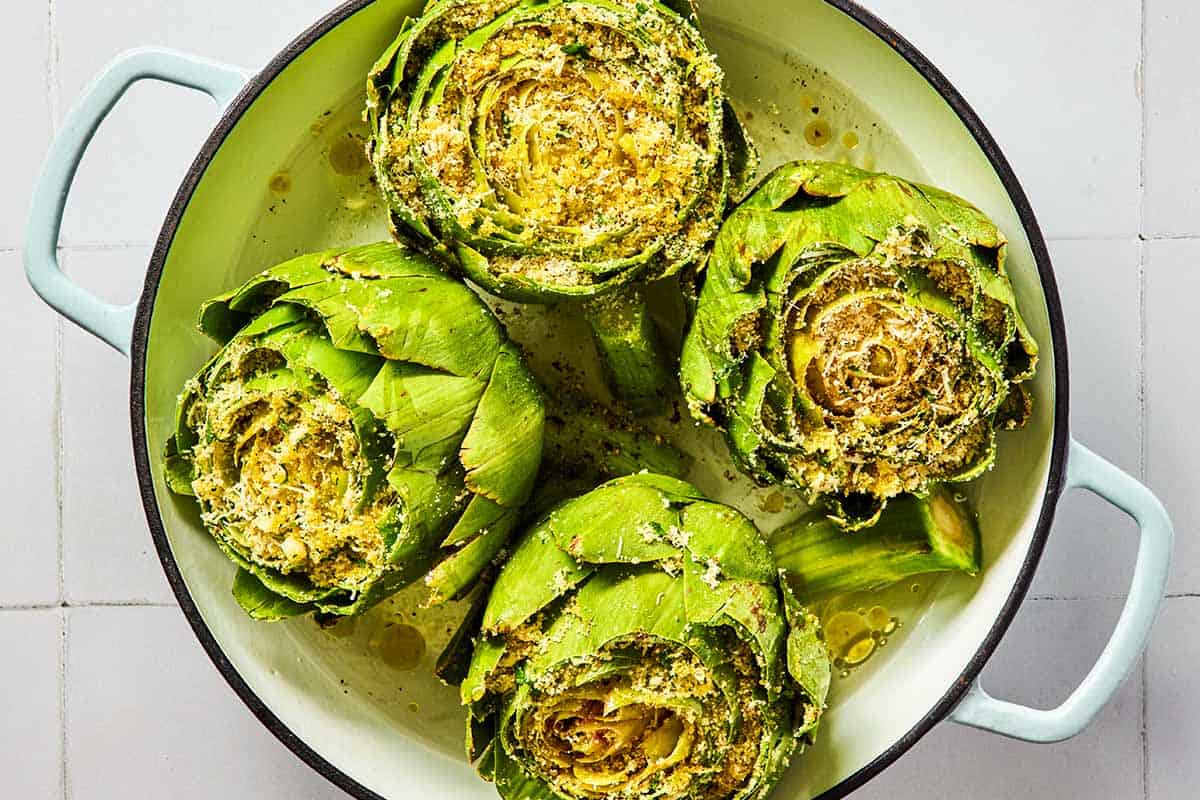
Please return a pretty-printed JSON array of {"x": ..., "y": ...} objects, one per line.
[
  {"x": 845, "y": 673},
  {"x": 879, "y": 618},
  {"x": 861, "y": 650},
  {"x": 916, "y": 587},
  {"x": 347, "y": 156},
  {"x": 849, "y": 638},
  {"x": 843, "y": 628},
  {"x": 414, "y": 708},
  {"x": 280, "y": 183},
  {"x": 850, "y": 140},
  {"x": 818, "y": 133},
  {"x": 318, "y": 126},
  {"x": 773, "y": 503},
  {"x": 400, "y": 646}
]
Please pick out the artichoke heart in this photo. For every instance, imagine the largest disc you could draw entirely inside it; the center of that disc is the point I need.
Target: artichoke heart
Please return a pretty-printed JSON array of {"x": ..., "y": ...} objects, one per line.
[
  {"x": 279, "y": 466},
  {"x": 637, "y": 644},
  {"x": 366, "y": 424},
  {"x": 857, "y": 336},
  {"x": 556, "y": 149}
]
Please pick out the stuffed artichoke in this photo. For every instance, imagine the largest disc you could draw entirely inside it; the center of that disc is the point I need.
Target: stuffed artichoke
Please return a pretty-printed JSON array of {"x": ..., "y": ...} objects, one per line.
[
  {"x": 637, "y": 644},
  {"x": 856, "y": 335},
  {"x": 559, "y": 149},
  {"x": 366, "y": 424}
]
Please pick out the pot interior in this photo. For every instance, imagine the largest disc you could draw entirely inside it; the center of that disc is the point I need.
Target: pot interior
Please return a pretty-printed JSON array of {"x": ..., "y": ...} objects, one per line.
[{"x": 289, "y": 178}]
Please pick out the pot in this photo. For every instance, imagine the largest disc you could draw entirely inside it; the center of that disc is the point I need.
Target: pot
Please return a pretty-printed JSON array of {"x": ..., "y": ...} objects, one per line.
[{"x": 330, "y": 708}]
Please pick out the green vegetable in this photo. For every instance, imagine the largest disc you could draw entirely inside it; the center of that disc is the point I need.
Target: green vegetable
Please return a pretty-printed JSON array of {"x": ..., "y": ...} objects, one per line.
[
  {"x": 588, "y": 444},
  {"x": 913, "y": 536},
  {"x": 857, "y": 336},
  {"x": 637, "y": 644},
  {"x": 559, "y": 150},
  {"x": 365, "y": 424}
]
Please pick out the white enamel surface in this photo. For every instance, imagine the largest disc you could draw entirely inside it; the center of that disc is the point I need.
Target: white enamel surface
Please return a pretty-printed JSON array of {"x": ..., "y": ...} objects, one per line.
[{"x": 366, "y": 727}]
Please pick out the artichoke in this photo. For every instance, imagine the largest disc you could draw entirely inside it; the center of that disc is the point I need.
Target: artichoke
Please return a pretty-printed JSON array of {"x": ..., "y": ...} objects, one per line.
[
  {"x": 559, "y": 149},
  {"x": 914, "y": 536},
  {"x": 365, "y": 424},
  {"x": 856, "y": 335},
  {"x": 637, "y": 644}
]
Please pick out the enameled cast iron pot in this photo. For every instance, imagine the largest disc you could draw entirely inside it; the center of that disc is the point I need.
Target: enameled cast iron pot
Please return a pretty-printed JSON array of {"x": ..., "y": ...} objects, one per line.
[{"x": 292, "y": 676}]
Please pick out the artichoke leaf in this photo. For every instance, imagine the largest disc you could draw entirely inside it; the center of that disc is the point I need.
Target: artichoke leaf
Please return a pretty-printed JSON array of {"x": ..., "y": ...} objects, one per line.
[
  {"x": 534, "y": 576},
  {"x": 503, "y": 446},
  {"x": 261, "y": 603}
]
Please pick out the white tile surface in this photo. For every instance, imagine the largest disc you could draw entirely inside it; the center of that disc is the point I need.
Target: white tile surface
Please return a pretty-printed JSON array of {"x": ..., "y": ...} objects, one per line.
[
  {"x": 1172, "y": 108},
  {"x": 1050, "y": 647},
  {"x": 1092, "y": 545},
  {"x": 139, "y": 727},
  {"x": 30, "y": 718},
  {"x": 142, "y": 151},
  {"x": 1055, "y": 84},
  {"x": 108, "y": 553},
  {"x": 24, "y": 40},
  {"x": 1172, "y": 383},
  {"x": 29, "y": 429},
  {"x": 1173, "y": 702}
]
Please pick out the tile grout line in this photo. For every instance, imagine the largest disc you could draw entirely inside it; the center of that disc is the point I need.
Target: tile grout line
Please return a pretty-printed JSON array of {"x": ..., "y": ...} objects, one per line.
[
  {"x": 98, "y": 604},
  {"x": 1169, "y": 237},
  {"x": 1142, "y": 244},
  {"x": 62, "y": 699},
  {"x": 59, "y": 446},
  {"x": 1144, "y": 671},
  {"x": 53, "y": 103}
]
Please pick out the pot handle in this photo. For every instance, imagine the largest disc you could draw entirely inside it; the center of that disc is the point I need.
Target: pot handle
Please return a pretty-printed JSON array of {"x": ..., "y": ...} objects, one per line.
[
  {"x": 112, "y": 323},
  {"x": 1089, "y": 471}
]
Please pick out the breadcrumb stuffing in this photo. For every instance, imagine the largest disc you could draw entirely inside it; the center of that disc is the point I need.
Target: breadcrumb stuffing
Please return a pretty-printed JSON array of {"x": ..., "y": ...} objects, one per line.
[
  {"x": 586, "y": 134},
  {"x": 280, "y": 473},
  {"x": 902, "y": 398},
  {"x": 658, "y": 727}
]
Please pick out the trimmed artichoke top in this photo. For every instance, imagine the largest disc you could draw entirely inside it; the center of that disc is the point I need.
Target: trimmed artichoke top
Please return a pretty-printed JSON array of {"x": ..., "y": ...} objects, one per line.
[
  {"x": 856, "y": 335},
  {"x": 366, "y": 424},
  {"x": 637, "y": 644},
  {"x": 556, "y": 149}
]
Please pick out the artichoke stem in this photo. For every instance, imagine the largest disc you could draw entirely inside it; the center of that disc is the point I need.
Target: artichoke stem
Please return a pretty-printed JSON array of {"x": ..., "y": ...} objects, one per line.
[
  {"x": 913, "y": 536},
  {"x": 588, "y": 444},
  {"x": 631, "y": 349}
]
